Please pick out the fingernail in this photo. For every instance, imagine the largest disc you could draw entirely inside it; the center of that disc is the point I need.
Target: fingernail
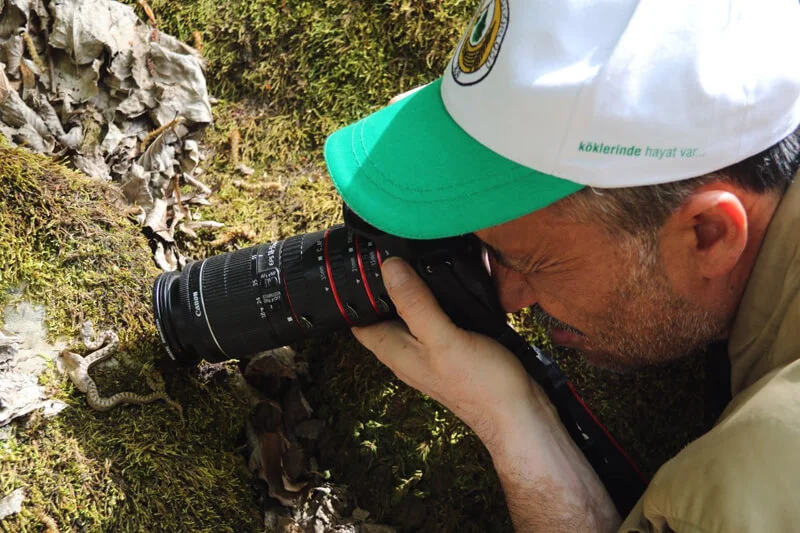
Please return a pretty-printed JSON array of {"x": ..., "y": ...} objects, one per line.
[{"x": 395, "y": 272}]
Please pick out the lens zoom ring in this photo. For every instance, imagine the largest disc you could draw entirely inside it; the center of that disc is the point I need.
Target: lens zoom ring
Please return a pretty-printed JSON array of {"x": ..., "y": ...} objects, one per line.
[
  {"x": 229, "y": 295},
  {"x": 291, "y": 252}
]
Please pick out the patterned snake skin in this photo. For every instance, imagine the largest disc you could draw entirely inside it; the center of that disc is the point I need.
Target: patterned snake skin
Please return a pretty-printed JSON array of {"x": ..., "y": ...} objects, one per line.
[{"x": 78, "y": 371}]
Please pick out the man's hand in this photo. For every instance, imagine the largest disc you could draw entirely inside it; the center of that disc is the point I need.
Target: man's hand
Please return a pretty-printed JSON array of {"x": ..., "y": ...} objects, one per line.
[
  {"x": 549, "y": 485},
  {"x": 474, "y": 376}
]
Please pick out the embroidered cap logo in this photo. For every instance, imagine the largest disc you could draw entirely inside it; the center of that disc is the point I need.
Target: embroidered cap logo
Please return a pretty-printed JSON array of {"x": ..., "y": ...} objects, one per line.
[{"x": 477, "y": 50}]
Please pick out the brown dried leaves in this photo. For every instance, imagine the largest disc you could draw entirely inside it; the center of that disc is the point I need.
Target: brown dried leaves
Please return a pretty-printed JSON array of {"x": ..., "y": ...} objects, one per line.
[{"x": 122, "y": 101}]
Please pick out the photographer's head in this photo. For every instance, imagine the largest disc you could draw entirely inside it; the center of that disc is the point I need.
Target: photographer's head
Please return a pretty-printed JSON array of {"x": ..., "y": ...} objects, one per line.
[
  {"x": 621, "y": 159},
  {"x": 645, "y": 274}
]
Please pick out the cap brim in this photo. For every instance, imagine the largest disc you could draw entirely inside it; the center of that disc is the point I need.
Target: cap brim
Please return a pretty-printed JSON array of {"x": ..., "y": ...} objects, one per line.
[{"x": 411, "y": 171}]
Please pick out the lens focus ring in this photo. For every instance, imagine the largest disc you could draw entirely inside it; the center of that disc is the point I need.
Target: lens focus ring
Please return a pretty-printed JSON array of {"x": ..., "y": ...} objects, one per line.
[{"x": 230, "y": 295}]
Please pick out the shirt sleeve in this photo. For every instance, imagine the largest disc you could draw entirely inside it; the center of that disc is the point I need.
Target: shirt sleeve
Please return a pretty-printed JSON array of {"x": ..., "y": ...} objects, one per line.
[
  {"x": 636, "y": 521},
  {"x": 743, "y": 475}
]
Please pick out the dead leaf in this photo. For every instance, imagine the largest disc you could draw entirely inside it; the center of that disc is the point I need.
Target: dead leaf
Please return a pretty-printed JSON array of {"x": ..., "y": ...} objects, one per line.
[
  {"x": 15, "y": 15},
  {"x": 157, "y": 220},
  {"x": 165, "y": 258},
  {"x": 86, "y": 28},
  {"x": 11, "y": 52},
  {"x": 93, "y": 165},
  {"x": 181, "y": 87},
  {"x": 136, "y": 188},
  {"x": 72, "y": 82},
  {"x": 97, "y": 116},
  {"x": 5, "y": 87},
  {"x": 11, "y": 503}
]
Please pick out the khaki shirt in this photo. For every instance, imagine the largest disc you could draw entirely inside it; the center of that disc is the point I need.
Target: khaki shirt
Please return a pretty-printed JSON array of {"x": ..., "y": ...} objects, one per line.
[{"x": 744, "y": 474}]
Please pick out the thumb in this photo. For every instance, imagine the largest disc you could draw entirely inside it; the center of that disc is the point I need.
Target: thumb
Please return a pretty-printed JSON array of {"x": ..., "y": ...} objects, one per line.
[{"x": 415, "y": 302}]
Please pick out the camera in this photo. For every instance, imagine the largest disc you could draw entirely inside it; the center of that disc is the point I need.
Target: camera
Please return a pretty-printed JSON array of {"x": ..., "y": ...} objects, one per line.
[
  {"x": 235, "y": 305},
  {"x": 238, "y": 304}
]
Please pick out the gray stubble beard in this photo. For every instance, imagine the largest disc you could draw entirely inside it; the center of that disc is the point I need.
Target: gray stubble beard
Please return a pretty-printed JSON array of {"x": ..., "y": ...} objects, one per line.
[{"x": 648, "y": 322}]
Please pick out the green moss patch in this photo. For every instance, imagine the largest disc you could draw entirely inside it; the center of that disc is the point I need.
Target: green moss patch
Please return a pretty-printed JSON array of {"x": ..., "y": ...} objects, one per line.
[
  {"x": 314, "y": 65},
  {"x": 70, "y": 247}
]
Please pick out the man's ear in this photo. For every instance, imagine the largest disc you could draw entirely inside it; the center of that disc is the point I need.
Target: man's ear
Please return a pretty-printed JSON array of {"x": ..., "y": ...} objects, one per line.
[{"x": 710, "y": 227}]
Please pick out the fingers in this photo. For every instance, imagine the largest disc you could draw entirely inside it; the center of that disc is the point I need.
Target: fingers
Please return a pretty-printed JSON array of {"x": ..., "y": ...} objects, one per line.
[
  {"x": 385, "y": 338},
  {"x": 415, "y": 303},
  {"x": 394, "y": 346}
]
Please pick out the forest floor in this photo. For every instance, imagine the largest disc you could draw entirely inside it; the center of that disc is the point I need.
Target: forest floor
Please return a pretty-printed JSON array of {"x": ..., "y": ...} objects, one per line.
[{"x": 285, "y": 75}]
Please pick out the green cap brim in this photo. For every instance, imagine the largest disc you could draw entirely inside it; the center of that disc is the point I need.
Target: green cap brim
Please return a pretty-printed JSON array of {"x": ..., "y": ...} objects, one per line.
[{"x": 411, "y": 171}]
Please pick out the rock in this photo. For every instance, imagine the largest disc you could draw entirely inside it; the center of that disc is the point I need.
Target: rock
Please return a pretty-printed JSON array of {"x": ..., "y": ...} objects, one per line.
[
  {"x": 23, "y": 357},
  {"x": 12, "y": 503},
  {"x": 26, "y": 322},
  {"x": 19, "y": 395}
]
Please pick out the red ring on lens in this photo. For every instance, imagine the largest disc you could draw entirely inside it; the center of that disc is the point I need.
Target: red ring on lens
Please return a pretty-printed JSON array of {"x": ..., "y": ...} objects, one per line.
[
  {"x": 364, "y": 277},
  {"x": 289, "y": 299},
  {"x": 330, "y": 279}
]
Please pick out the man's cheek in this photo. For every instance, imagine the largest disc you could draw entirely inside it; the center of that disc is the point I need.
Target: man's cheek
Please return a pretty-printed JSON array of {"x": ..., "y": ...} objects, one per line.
[{"x": 514, "y": 293}]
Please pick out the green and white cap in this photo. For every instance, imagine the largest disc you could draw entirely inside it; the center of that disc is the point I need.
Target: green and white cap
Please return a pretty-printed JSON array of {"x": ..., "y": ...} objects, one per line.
[{"x": 542, "y": 98}]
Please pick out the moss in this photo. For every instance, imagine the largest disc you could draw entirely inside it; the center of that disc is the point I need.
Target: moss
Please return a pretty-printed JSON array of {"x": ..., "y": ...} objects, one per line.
[
  {"x": 62, "y": 237},
  {"x": 314, "y": 65},
  {"x": 409, "y": 461},
  {"x": 135, "y": 468}
]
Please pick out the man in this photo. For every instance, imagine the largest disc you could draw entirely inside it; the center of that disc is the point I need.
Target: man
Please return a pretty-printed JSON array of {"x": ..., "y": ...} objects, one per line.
[{"x": 628, "y": 166}]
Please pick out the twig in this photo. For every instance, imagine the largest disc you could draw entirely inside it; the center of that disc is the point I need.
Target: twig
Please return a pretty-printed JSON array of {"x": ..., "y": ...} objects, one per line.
[
  {"x": 158, "y": 131},
  {"x": 197, "y": 38},
  {"x": 50, "y": 60},
  {"x": 49, "y": 523},
  {"x": 197, "y": 184},
  {"x": 32, "y": 51},
  {"x": 28, "y": 77},
  {"x": 196, "y": 224},
  {"x": 236, "y": 139},
  {"x": 151, "y": 17},
  {"x": 270, "y": 186},
  {"x": 243, "y": 232}
]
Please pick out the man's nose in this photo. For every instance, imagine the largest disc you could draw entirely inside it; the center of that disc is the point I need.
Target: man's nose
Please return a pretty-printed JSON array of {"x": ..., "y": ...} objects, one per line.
[{"x": 513, "y": 288}]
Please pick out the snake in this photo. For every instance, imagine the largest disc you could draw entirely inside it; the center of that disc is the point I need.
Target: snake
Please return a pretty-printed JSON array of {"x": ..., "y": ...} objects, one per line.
[{"x": 102, "y": 347}]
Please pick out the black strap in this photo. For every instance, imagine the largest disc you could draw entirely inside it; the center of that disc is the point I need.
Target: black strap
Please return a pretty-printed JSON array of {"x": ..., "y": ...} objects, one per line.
[{"x": 718, "y": 381}]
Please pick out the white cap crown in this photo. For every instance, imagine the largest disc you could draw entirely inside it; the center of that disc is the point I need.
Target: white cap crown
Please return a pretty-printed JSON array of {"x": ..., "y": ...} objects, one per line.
[{"x": 619, "y": 93}]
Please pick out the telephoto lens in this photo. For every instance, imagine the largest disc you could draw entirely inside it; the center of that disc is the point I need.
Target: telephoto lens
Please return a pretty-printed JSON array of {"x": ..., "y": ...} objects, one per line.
[{"x": 237, "y": 304}]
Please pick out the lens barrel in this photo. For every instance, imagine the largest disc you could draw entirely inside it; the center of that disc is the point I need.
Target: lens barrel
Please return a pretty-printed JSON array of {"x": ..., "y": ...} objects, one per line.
[{"x": 237, "y": 304}]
